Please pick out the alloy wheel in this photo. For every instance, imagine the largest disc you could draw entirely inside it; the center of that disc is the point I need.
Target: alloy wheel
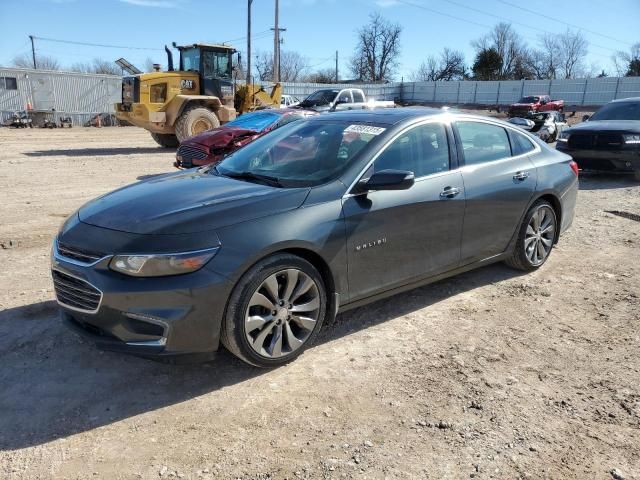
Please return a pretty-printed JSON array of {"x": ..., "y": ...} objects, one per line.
[
  {"x": 282, "y": 313},
  {"x": 540, "y": 234}
]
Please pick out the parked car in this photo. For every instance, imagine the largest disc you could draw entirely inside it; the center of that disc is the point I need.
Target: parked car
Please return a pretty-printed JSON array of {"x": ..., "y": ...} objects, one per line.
[
  {"x": 545, "y": 125},
  {"x": 527, "y": 106},
  {"x": 609, "y": 140},
  {"x": 213, "y": 145},
  {"x": 289, "y": 101},
  {"x": 319, "y": 216},
  {"x": 335, "y": 99}
]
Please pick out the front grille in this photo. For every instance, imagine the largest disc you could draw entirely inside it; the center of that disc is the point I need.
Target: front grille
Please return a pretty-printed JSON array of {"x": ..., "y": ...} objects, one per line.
[
  {"x": 75, "y": 293},
  {"x": 78, "y": 254},
  {"x": 609, "y": 140},
  {"x": 188, "y": 154},
  {"x": 581, "y": 141}
]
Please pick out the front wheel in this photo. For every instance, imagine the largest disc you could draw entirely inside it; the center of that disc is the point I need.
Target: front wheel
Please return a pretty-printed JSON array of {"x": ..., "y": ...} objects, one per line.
[
  {"x": 195, "y": 120},
  {"x": 165, "y": 140},
  {"x": 536, "y": 237},
  {"x": 275, "y": 311}
]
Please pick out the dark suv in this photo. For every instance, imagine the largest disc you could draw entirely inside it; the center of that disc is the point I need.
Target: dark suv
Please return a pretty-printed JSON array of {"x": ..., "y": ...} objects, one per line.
[
  {"x": 609, "y": 140},
  {"x": 318, "y": 216}
]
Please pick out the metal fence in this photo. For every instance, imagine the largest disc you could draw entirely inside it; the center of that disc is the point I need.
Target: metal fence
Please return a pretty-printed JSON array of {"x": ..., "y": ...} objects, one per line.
[
  {"x": 76, "y": 95},
  {"x": 81, "y": 96}
]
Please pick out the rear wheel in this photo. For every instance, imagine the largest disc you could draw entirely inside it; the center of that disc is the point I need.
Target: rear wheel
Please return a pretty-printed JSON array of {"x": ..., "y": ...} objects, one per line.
[
  {"x": 275, "y": 311},
  {"x": 195, "y": 120},
  {"x": 536, "y": 237},
  {"x": 166, "y": 140}
]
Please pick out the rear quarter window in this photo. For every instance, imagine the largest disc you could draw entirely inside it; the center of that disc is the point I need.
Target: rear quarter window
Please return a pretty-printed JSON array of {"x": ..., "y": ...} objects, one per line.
[
  {"x": 483, "y": 142},
  {"x": 520, "y": 144}
]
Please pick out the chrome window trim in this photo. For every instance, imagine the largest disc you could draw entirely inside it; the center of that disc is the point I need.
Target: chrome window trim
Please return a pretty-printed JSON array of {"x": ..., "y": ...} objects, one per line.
[
  {"x": 436, "y": 119},
  {"x": 70, "y": 307},
  {"x": 58, "y": 256}
]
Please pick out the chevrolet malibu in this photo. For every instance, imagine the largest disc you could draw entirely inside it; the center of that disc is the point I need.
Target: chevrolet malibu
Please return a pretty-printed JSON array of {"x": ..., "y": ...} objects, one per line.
[{"x": 319, "y": 216}]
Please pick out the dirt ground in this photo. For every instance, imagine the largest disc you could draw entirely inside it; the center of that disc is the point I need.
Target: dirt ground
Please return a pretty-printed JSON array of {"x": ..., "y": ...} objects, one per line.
[{"x": 491, "y": 374}]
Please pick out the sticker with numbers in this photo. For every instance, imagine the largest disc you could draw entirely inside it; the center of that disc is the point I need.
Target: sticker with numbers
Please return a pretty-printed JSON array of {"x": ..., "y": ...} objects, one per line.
[{"x": 364, "y": 129}]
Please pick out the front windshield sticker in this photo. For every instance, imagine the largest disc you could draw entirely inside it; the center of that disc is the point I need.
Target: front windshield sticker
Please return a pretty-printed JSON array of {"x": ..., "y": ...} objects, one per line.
[{"x": 364, "y": 129}]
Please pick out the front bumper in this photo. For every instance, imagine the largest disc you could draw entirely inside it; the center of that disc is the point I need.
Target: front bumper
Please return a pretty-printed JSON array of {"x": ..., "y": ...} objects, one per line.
[
  {"x": 624, "y": 159},
  {"x": 151, "y": 317}
]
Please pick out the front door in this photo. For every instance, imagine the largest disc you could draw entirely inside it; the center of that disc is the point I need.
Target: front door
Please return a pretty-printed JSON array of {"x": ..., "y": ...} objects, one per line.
[{"x": 394, "y": 237}]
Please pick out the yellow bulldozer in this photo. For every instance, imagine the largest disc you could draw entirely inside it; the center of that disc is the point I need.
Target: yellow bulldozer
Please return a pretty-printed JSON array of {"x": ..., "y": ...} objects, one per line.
[{"x": 200, "y": 95}]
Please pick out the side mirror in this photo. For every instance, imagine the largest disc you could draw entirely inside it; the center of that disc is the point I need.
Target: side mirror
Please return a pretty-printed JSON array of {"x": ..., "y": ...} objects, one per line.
[
  {"x": 543, "y": 102},
  {"x": 387, "y": 180},
  {"x": 585, "y": 118}
]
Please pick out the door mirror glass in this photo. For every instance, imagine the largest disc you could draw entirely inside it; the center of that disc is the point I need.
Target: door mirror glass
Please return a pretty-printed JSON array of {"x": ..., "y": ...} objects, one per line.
[
  {"x": 585, "y": 118},
  {"x": 387, "y": 180}
]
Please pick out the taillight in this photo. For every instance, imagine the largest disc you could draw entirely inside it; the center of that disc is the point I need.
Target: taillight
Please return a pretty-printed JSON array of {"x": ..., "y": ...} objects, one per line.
[{"x": 574, "y": 167}]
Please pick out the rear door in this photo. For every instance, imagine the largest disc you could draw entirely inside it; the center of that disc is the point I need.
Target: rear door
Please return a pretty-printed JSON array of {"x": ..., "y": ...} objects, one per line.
[
  {"x": 394, "y": 237},
  {"x": 499, "y": 181}
]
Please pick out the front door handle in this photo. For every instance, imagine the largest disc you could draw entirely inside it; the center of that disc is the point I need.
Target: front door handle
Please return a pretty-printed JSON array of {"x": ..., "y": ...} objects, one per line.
[
  {"x": 521, "y": 176},
  {"x": 449, "y": 192}
]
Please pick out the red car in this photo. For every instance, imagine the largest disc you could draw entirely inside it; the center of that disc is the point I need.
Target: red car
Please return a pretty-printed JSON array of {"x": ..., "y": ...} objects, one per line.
[
  {"x": 213, "y": 145},
  {"x": 533, "y": 104}
]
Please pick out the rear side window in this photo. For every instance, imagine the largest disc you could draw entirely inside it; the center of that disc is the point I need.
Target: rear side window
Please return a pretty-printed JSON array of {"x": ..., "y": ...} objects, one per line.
[
  {"x": 8, "y": 83},
  {"x": 483, "y": 142},
  {"x": 521, "y": 144},
  {"x": 357, "y": 97}
]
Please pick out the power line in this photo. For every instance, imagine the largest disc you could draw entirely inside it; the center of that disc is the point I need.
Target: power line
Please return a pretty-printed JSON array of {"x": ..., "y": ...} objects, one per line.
[
  {"x": 87, "y": 44},
  {"x": 563, "y": 22}
]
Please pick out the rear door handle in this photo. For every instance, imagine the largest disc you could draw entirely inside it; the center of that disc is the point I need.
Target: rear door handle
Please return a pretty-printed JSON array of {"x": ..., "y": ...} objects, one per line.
[
  {"x": 521, "y": 176},
  {"x": 449, "y": 192}
]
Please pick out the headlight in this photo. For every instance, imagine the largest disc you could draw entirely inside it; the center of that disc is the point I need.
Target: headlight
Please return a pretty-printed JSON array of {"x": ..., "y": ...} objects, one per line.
[
  {"x": 635, "y": 138},
  {"x": 564, "y": 137},
  {"x": 161, "y": 265}
]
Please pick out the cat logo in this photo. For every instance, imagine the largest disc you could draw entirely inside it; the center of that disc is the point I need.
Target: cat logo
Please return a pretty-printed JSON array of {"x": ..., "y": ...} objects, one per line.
[
  {"x": 376, "y": 243},
  {"x": 188, "y": 84}
]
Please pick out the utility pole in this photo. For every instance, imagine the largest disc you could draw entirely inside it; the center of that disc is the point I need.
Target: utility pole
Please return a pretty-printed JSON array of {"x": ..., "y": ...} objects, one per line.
[
  {"x": 337, "y": 78},
  {"x": 249, "y": 2},
  {"x": 276, "y": 45},
  {"x": 33, "y": 53}
]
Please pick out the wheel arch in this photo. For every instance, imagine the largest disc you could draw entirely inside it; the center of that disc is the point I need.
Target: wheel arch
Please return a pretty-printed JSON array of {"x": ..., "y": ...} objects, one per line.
[
  {"x": 181, "y": 102},
  {"x": 557, "y": 208}
]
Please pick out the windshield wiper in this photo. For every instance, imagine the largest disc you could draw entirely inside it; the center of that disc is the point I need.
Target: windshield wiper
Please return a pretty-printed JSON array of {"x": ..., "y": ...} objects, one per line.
[{"x": 272, "y": 181}]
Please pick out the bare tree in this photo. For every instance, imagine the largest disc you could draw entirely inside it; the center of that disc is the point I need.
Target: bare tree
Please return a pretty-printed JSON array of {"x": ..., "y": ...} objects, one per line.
[
  {"x": 450, "y": 66},
  {"x": 377, "y": 52},
  {"x": 98, "y": 65},
  {"x": 507, "y": 43},
  {"x": 292, "y": 66},
  {"x": 326, "y": 75},
  {"x": 544, "y": 61},
  {"x": 42, "y": 62},
  {"x": 574, "y": 48}
]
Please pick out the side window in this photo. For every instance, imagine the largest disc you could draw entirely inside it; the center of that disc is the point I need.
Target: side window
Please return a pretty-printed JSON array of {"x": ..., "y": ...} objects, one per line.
[
  {"x": 358, "y": 97},
  {"x": 345, "y": 97},
  {"x": 483, "y": 142},
  {"x": 9, "y": 83},
  {"x": 520, "y": 143},
  {"x": 422, "y": 150}
]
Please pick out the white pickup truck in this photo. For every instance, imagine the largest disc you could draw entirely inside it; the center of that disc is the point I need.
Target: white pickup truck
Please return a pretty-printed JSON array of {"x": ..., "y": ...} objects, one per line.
[{"x": 335, "y": 99}]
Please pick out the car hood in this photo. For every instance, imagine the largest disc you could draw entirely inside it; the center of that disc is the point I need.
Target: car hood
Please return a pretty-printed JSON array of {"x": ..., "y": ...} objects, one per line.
[
  {"x": 220, "y": 137},
  {"x": 631, "y": 126},
  {"x": 187, "y": 202}
]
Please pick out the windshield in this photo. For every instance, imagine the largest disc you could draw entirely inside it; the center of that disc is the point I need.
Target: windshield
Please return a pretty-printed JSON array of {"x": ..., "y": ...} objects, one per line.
[
  {"x": 257, "y": 121},
  {"x": 618, "y": 111},
  {"x": 300, "y": 154},
  {"x": 321, "y": 97},
  {"x": 529, "y": 100}
]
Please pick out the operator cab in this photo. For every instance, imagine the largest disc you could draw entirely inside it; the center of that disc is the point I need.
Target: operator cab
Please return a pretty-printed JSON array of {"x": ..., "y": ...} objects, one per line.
[{"x": 214, "y": 65}]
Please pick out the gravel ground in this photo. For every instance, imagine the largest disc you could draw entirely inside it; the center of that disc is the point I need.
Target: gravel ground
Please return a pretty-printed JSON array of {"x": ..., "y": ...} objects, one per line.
[{"x": 491, "y": 374}]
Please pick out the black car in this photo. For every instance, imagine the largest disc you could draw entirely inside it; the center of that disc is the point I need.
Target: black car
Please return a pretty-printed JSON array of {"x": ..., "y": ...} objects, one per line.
[
  {"x": 319, "y": 216},
  {"x": 609, "y": 140}
]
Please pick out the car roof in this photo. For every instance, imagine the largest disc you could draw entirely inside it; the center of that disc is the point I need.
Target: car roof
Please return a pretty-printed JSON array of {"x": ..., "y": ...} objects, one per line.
[
  {"x": 389, "y": 116},
  {"x": 631, "y": 99}
]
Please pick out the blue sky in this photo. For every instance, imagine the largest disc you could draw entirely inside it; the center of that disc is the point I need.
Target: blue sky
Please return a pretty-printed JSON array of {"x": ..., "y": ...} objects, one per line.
[{"x": 315, "y": 28}]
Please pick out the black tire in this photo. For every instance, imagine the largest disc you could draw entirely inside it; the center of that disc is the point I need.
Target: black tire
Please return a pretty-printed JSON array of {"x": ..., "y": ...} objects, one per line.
[
  {"x": 233, "y": 331},
  {"x": 519, "y": 258},
  {"x": 636, "y": 174},
  {"x": 195, "y": 120},
  {"x": 165, "y": 140}
]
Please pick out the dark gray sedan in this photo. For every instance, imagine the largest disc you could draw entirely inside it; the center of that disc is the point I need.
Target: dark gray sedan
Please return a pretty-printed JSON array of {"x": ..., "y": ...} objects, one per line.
[{"x": 320, "y": 216}]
